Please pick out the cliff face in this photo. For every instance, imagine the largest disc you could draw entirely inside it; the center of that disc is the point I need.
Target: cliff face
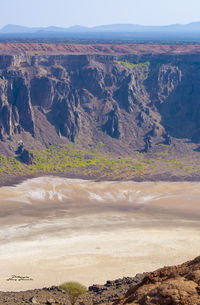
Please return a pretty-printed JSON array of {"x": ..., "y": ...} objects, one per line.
[{"x": 128, "y": 102}]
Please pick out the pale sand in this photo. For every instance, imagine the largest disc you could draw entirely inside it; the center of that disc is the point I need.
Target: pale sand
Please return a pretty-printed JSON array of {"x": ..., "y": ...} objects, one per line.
[{"x": 56, "y": 229}]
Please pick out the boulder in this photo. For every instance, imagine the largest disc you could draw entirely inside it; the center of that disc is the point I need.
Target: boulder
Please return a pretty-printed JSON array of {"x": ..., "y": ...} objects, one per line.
[
  {"x": 33, "y": 300},
  {"x": 27, "y": 157}
]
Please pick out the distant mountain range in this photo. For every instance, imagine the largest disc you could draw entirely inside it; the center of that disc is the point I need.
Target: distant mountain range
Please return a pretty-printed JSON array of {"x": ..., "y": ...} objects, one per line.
[{"x": 193, "y": 27}]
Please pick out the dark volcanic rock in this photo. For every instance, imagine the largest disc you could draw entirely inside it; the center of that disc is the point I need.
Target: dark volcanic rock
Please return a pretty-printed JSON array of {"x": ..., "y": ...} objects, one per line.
[
  {"x": 112, "y": 125},
  {"x": 51, "y": 100},
  {"x": 50, "y": 296},
  {"x": 27, "y": 157},
  {"x": 104, "y": 294}
]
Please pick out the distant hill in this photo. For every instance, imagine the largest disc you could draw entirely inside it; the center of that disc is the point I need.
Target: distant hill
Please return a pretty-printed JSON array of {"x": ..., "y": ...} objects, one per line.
[
  {"x": 13, "y": 29},
  {"x": 113, "y": 28}
]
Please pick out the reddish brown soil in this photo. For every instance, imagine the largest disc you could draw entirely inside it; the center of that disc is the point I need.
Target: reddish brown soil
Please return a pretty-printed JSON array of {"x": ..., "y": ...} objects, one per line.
[
  {"x": 49, "y": 49},
  {"x": 177, "y": 285}
]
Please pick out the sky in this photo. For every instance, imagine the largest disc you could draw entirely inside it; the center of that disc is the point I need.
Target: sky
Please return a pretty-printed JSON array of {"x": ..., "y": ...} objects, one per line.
[{"x": 67, "y": 13}]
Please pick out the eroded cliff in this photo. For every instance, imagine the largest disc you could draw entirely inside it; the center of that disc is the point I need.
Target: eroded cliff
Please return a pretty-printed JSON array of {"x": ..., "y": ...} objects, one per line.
[{"x": 128, "y": 102}]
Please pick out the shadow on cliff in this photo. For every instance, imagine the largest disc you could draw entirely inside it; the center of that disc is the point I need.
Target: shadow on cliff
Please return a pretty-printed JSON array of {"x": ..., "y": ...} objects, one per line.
[{"x": 180, "y": 112}]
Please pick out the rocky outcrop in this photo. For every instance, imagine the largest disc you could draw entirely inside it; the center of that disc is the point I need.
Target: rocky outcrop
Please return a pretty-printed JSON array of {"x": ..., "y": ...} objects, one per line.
[
  {"x": 16, "y": 112},
  {"x": 98, "y": 294},
  {"x": 130, "y": 102},
  {"x": 177, "y": 285},
  {"x": 27, "y": 157},
  {"x": 46, "y": 296}
]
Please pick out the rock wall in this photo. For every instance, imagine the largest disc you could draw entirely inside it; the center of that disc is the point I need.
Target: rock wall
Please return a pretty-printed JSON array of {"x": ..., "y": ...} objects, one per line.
[{"x": 128, "y": 102}]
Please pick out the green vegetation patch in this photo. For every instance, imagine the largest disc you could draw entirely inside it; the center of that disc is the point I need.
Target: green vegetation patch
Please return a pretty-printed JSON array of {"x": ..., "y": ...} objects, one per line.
[
  {"x": 68, "y": 159},
  {"x": 74, "y": 290},
  {"x": 143, "y": 65},
  {"x": 10, "y": 165},
  {"x": 95, "y": 163},
  {"x": 142, "y": 68}
]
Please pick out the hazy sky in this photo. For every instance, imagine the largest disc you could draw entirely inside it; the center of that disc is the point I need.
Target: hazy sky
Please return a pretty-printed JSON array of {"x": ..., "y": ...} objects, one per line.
[{"x": 97, "y": 12}]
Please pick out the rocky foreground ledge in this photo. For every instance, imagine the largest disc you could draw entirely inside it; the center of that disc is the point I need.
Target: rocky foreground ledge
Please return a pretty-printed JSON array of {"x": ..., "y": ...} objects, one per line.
[{"x": 176, "y": 285}]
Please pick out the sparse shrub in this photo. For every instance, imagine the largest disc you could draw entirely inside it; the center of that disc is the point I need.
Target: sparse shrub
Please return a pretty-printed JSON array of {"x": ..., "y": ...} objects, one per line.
[
  {"x": 101, "y": 144},
  {"x": 74, "y": 290},
  {"x": 93, "y": 150}
]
